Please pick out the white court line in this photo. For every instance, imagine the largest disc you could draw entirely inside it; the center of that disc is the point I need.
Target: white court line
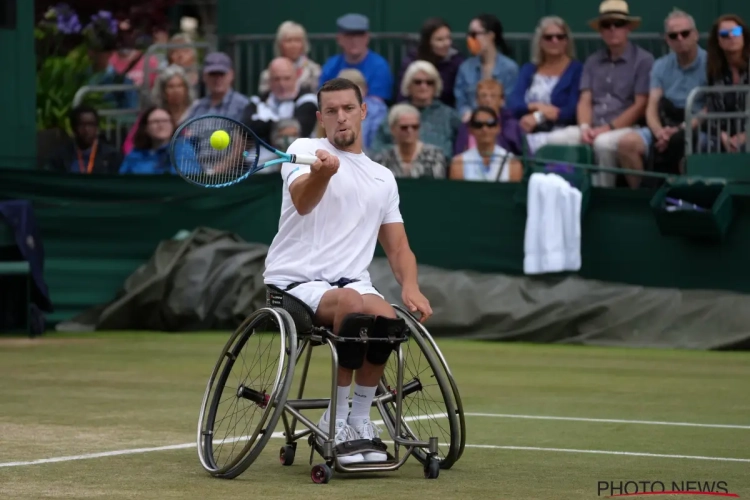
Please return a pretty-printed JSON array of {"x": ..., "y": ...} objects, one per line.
[
  {"x": 609, "y": 420},
  {"x": 277, "y": 435}
]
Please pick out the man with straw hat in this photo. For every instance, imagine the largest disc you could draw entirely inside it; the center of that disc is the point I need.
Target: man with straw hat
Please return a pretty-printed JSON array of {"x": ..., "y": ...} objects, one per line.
[{"x": 614, "y": 89}]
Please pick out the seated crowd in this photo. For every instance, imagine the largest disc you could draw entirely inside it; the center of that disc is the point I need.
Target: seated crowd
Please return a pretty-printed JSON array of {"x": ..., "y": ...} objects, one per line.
[{"x": 456, "y": 117}]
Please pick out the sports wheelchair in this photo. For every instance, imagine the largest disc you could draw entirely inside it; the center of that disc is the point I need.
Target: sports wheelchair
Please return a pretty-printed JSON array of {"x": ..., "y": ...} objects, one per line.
[{"x": 416, "y": 377}]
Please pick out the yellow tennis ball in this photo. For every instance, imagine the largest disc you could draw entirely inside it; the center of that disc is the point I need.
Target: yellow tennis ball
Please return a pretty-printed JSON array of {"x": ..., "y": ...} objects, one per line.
[{"x": 219, "y": 139}]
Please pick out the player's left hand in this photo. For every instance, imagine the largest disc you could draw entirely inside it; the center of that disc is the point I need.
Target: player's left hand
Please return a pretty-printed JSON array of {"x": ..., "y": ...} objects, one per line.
[{"x": 415, "y": 301}]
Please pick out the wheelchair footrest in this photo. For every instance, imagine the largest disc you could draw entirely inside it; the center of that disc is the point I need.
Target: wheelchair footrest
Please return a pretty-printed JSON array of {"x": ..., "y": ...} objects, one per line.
[{"x": 355, "y": 446}]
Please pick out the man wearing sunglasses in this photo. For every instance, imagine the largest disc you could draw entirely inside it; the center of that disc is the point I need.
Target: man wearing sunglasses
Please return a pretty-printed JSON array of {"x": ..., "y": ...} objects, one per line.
[
  {"x": 673, "y": 77},
  {"x": 614, "y": 90}
]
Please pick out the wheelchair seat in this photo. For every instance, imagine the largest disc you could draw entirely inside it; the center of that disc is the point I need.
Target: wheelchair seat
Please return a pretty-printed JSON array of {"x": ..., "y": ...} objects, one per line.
[{"x": 302, "y": 315}]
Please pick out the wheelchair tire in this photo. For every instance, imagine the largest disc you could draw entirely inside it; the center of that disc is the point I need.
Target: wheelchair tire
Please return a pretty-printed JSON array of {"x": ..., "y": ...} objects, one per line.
[
  {"x": 414, "y": 323},
  {"x": 452, "y": 407},
  {"x": 270, "y": 397}
]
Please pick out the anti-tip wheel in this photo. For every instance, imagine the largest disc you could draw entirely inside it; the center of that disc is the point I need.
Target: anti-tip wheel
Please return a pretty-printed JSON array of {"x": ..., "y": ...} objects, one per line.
[
  {"x": 286, "y": 455},
  {"x": 321, "y": 474},
  {"x": 432, "y": 469}
]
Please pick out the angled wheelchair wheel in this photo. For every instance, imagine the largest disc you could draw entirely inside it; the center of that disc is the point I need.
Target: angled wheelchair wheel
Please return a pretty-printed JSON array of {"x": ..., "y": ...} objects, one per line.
[
  {"x": 415, "y": 324},
  {"x": 246, "y": 393},
  {"x": 430, "y": 407}
]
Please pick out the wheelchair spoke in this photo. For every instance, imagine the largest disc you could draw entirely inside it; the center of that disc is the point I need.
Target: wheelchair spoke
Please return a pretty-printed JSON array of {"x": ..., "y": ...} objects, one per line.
[{"x": 424, "y": 411}]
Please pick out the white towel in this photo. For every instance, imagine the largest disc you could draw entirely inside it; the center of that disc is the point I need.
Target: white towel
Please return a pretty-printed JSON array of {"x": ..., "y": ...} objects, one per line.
[
  {"x": 532, "y": 241},
  {"x": 552, "y": 239}
]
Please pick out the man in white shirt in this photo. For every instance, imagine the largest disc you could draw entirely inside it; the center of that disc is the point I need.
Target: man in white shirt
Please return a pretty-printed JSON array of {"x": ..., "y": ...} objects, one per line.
[{"x": 333, "y": 213}]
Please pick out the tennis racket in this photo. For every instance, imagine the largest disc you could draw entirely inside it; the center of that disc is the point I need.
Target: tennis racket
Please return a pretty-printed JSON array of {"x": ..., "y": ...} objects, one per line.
[{"x": 215, "y": 151}]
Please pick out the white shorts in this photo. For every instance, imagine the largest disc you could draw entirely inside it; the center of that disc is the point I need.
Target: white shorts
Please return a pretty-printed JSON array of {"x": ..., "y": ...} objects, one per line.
[{"x": 311, "y": 292}]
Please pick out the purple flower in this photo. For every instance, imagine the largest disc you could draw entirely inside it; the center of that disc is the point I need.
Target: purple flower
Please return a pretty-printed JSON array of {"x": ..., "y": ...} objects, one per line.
[
  {"x": 105, "y": 20},
  {"x": 64, "y": 18}
]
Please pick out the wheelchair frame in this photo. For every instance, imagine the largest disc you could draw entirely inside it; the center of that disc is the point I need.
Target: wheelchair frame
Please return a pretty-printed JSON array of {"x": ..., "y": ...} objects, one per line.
[{"x": 290, "y": 316}]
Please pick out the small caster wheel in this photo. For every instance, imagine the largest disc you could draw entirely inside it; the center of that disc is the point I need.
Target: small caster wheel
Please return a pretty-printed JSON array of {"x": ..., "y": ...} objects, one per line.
[
  {"x": 321, "y": 474},
  {"x": 286, "y": 455},
  {"x": 432, "y": 469}
]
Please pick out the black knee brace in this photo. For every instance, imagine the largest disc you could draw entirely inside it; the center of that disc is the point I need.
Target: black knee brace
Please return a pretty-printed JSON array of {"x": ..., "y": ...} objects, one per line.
[
  {"x": 352, "y": 354},
  {"x": 378, "y": 352}
]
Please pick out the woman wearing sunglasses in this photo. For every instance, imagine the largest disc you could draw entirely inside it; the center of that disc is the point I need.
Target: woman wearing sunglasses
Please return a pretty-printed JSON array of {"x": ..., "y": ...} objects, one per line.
[
  {"x": 490, "y": 60},
  {"x": 728, "y": 53},
  {"x": 546, "y": 94},
  {"x": 488, "y": 161}
]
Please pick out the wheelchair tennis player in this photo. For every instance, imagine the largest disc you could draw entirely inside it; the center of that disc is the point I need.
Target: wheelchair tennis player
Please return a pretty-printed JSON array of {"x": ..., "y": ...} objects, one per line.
[{"x": 332, "y": 215}]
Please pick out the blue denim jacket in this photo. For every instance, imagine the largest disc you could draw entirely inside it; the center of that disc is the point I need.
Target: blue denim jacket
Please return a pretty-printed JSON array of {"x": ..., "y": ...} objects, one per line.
[{"x": 469, "y": 74}]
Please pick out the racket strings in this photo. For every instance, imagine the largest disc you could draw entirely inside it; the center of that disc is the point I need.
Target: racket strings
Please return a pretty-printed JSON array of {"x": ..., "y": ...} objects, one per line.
[{"x": 201, "y": 162}]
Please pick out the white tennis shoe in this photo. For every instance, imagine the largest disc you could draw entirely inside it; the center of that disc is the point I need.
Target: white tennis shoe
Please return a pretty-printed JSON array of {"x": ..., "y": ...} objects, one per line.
[
  {"x": 364, "y": 428},
  {"x": 344, "y": 433}
]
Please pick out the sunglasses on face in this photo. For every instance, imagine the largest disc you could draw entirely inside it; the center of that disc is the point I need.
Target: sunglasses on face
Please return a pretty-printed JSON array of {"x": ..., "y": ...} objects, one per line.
[
  {"x": 405, "y": 128},
  {"x": 479, "y": 125},
  {"x": 679, "y": 34},
  {"x": 419, "y": 81},
  {"x": 474, "y": 34},
  {"x": 557, "y": 36},
  {"x": 736, "y": 31},
  {"x": 613, "y": 23}
]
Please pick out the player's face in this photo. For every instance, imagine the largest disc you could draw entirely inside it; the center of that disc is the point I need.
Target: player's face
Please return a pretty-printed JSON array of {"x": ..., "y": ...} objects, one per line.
[{"x": 341, "y": 116}]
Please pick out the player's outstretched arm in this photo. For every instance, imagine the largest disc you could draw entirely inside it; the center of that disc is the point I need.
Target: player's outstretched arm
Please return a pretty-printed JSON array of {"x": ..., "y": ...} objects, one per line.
[
  {"x": 308, "y": 189},
  {"x": 392, "y": 238}
]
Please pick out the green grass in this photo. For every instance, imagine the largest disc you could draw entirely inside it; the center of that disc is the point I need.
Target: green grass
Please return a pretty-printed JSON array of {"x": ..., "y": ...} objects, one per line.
[{"x": 65, "y": 395}]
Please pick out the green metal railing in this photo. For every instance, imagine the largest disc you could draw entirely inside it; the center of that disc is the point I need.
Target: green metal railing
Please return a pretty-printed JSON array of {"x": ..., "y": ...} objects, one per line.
[{"x": 252, "y": 53}]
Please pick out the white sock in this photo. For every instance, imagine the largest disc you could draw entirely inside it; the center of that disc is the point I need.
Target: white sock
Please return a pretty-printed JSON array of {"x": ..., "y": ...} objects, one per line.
[
  {"x": 362, "y": 402},
  {"x": 342, "y": 404}
]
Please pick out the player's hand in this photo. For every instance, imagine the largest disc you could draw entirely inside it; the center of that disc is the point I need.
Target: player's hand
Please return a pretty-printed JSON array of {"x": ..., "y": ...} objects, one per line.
[
  {"x": 327, "y": 164},
  {"x": 415, "y": 301}
]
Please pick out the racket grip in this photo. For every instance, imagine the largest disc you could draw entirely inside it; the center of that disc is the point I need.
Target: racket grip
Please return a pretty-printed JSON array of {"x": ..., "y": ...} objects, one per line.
[{"x": 304, "y": 159}]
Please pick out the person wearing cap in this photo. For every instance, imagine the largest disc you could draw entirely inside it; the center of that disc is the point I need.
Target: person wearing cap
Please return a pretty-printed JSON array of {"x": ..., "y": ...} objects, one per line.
[
  {"x": 353, "y": 38},
  {"x": 221, "y": 99},
  {"x": 614, "y": 90}
]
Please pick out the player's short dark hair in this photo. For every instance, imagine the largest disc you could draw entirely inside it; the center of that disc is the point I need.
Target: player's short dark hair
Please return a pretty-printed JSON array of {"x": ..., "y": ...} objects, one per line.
[{"x": 338, "y": 84}]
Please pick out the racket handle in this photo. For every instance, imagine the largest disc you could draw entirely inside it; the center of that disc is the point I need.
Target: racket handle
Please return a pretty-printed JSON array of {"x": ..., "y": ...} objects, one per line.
[{"x": 304, "y": 159}]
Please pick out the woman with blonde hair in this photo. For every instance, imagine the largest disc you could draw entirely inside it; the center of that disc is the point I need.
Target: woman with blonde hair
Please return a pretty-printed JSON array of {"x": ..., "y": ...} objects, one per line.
[
  {"x": 409, "y": 156},
  {"x": 546, "y": 95},
  {"x": 292, "y": 43},
  {"x": 172, "y": 92},
  {"x": 422, "y": 85}
]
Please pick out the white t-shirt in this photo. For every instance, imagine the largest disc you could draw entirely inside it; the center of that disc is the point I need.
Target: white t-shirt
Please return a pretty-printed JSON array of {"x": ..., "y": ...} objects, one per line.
[{"x": 338, "y": 238}]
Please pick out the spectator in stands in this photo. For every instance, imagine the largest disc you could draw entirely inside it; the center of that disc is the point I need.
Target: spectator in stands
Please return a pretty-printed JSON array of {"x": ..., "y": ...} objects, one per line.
[
  {"x": 221, "y": 98},
  {"x": 377, "y": 111},
  {"x": 103, "y": 73},
  {"x": 292, "y": 43},
  {"x": 546, "y": 95},
  {"x": 283, "y": 133},
  {"x": 487, "y": 161},
  {"x": 614, "y": 89},
  {"x": 185, "y": 57},
  {"x": 673, "y": 77},
  {"x": 410, "y": 157},
  {"x": 86, "y": 152},
  {"x": 172, "y": 91},
  {"x": 436, "y": 46},
  {"x": 490, "y": 94},
  {"x": 490, "y": 60},
  {"x": 150, "y": 154},
  {"x": 286, "y": 99},
  {"x": 422, "y": 85},
  {"x": 728, "y": 55},
  {"x": 129, "y": 61},
  {"x": 353, "y": 38}
]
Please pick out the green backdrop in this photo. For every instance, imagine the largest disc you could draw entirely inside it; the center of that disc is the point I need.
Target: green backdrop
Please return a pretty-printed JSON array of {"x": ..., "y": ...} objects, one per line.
[
  {"x": 18, "y": 91},
  {"x": 407, "y": 15},
  {"x": 97, "y": 230}
]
